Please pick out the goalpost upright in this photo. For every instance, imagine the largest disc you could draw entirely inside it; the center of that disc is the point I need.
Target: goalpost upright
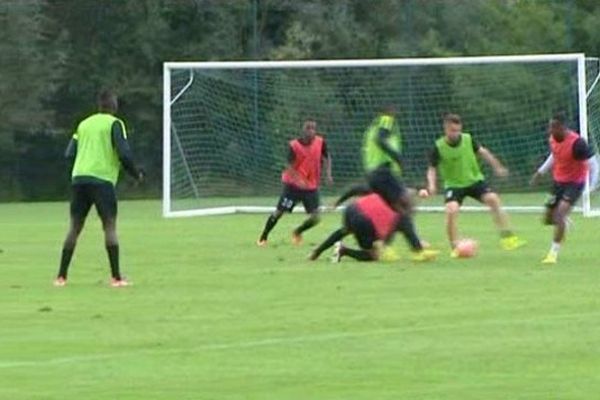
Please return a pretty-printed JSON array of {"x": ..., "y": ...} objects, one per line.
[{"x": 172, "y": 97}]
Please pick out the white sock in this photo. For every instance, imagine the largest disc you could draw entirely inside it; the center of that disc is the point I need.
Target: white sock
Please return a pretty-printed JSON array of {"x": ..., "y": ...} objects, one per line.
[{"x": 555, "y": 247}]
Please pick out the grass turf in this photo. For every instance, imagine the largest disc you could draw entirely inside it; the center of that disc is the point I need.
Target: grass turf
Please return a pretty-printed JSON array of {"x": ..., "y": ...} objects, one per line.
[{"x": 211, "y": 316}]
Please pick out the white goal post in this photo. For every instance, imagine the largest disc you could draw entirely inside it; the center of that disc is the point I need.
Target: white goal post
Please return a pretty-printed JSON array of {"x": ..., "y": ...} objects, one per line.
[{"x": 226, "y": 124}]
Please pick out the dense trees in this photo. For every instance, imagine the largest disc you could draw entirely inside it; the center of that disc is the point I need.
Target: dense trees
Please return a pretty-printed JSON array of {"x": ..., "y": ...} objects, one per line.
[{"x": 56, "y": 54}]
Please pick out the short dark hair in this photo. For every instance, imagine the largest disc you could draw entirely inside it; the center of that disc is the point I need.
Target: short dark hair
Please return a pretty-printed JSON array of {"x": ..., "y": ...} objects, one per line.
[
  {"x": 560, "y": 116},
  {"x": 451, "y": 117},
  {"x": 389, "y": 109},
  {"x": 107, "y": 100}
]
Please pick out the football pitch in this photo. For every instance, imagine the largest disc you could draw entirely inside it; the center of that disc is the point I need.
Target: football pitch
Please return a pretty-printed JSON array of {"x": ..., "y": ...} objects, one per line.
[{"x": 212, "y": 316}]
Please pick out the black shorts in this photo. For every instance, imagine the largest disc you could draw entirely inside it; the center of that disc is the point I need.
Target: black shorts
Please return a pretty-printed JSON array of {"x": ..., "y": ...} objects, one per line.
[
  {"x": 292, "y": 195},
  {"x": 102, "y": 195},
  {"x": 361, "y": 227},
  {"x": 385, "y": 184},
  {"x": 569, "y": 192},
  {"x": 476, "y": 191}
]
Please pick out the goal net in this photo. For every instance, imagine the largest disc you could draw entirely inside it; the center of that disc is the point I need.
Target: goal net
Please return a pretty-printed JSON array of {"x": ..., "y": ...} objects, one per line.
[{"x": 227, "y": 124}]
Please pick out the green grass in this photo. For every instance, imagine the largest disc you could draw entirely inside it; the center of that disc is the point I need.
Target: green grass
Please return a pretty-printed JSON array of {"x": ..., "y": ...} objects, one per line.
[{"x": 211, "y": 316}]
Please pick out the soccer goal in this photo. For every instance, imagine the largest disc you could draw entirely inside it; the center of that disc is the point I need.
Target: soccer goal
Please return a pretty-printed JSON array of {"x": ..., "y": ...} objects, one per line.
[{"x": 227, "y": 124}]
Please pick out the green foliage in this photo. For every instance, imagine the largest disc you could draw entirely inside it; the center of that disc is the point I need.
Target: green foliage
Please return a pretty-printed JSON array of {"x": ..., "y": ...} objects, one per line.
[{"x": 57, "y": 54}]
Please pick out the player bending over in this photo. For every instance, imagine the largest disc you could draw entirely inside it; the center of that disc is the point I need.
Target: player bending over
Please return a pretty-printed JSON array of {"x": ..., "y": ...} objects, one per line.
[
  {"x": 370, "y": 219},
  {"x": 99, "y": 148},
  {"x": 301, "y": 181},
  {"x": 571, "y": 160},
  {"x": 455, "y": 156}
]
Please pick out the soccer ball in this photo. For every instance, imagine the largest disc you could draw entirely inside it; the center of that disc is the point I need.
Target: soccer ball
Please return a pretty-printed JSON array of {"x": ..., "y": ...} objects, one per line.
[{"x": 466, "y": 248}]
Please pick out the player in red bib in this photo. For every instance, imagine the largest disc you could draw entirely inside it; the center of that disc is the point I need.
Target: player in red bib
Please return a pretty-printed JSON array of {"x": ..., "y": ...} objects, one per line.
[
  {"x": 301, "y": 181},
  {"x": 571, "y": 156},
  {"x": 370, "y": 219}
]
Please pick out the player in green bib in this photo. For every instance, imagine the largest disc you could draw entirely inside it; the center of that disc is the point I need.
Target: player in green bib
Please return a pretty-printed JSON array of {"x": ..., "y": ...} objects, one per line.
[
  {"x": 99, "y": 148},
  {"x": 455, "y": 156},
  {"x": 381, "y": 156}
]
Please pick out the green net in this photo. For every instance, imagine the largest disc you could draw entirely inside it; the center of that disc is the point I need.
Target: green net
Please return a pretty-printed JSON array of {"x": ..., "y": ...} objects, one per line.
[{"x": 230, "y": 127}]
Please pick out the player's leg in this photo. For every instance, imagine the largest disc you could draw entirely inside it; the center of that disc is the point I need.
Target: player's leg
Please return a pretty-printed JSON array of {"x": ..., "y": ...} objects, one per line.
[
  {"x": 567, "y": 196},
  {"x": 508, "y": 239},
  {"x": 482, "y": 192},
  {"x": 559, "y": 220},
  {"x": 383, "y": 182},
  {"x": 286, "y": 203},
  {"x": 407, "y": 228},
  {"x": 365, "y": 235},
  {"x": 356, "y": 190},
  {"x": 453, "y": 198},
  {"x": 105, "y": 200},
  {"x": 338, "y": 235},
  {"x": 366, "y": 252},
  {"x": 81, "y": 202},
  {"x": 310, "y": 200},
  {"x": 370, "y": 254},
  {"x": 551, "y": 203},
  {"x": 452, "y": 211},
  {"x": 332, "y": 239}
]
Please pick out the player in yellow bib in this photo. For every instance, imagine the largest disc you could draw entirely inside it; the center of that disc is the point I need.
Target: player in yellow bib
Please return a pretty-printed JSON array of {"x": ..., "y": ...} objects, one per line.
[
  {"x": 99, "y": 148},
  {"x": 455, "y": 156}
]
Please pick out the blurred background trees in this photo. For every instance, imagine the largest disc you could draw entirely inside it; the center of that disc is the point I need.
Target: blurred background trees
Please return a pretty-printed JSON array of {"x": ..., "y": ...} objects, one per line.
[{"x": 57, "y": 54}]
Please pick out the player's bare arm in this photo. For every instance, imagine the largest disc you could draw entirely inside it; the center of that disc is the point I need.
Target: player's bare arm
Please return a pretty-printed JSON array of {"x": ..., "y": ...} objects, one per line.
[
  {"x": 499, "y": 169},
  {"x": 543, "y": 169}
]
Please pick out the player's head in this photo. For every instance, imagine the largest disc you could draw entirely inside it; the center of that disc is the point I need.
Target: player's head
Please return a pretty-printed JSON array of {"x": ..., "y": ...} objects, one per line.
[
  {"x": 309, "y": 128},
  {"x": 390, "y": 110},
  {"x": 107, "y": 101},
  {"x": 557, "y": 127},
  {"x": 452, "y": 126}
]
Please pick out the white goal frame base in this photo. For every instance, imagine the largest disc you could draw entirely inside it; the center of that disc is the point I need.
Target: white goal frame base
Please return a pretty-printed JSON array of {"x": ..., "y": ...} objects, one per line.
[{"x": 434, "y": 209}]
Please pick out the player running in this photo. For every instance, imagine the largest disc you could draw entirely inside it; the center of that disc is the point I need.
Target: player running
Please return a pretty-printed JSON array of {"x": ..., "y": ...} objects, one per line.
[
  {"x": 371, "y": 220},
  {"x": 99, "y": 148},
  {"x": 301, "y": 180},
  {"x": 455, "y": 156},
  {"x": 571, "y": 160}
]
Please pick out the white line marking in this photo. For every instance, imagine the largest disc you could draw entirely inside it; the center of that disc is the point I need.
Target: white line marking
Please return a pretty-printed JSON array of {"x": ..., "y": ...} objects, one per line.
[{"x": 289, "y": 340}]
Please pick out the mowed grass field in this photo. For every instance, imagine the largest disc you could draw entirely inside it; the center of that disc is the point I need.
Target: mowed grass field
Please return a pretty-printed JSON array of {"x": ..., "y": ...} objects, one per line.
[{"x": 211, "y": 316}]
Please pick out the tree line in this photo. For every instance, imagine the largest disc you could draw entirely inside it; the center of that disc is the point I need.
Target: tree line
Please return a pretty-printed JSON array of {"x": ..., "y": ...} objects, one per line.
[{"x": 56, "y": 55}]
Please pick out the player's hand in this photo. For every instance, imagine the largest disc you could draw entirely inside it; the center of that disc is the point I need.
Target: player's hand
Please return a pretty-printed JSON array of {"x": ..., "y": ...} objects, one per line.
[
  {"x": 423, "y": 193},
  {"x": 535, "y": 179},
  {"x": 502, "y": 172}
]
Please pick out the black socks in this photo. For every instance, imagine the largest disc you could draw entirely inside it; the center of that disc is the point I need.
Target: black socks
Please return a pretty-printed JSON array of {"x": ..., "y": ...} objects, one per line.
[
  {"x": 113, "y": 258},
  {"x": 65, "y": 260},
  {"x": 271, "y": 222}
]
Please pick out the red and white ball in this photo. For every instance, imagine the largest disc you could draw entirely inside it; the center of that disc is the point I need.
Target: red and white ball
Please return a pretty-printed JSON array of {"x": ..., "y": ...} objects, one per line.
[{"x": 467, "y": 248}]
